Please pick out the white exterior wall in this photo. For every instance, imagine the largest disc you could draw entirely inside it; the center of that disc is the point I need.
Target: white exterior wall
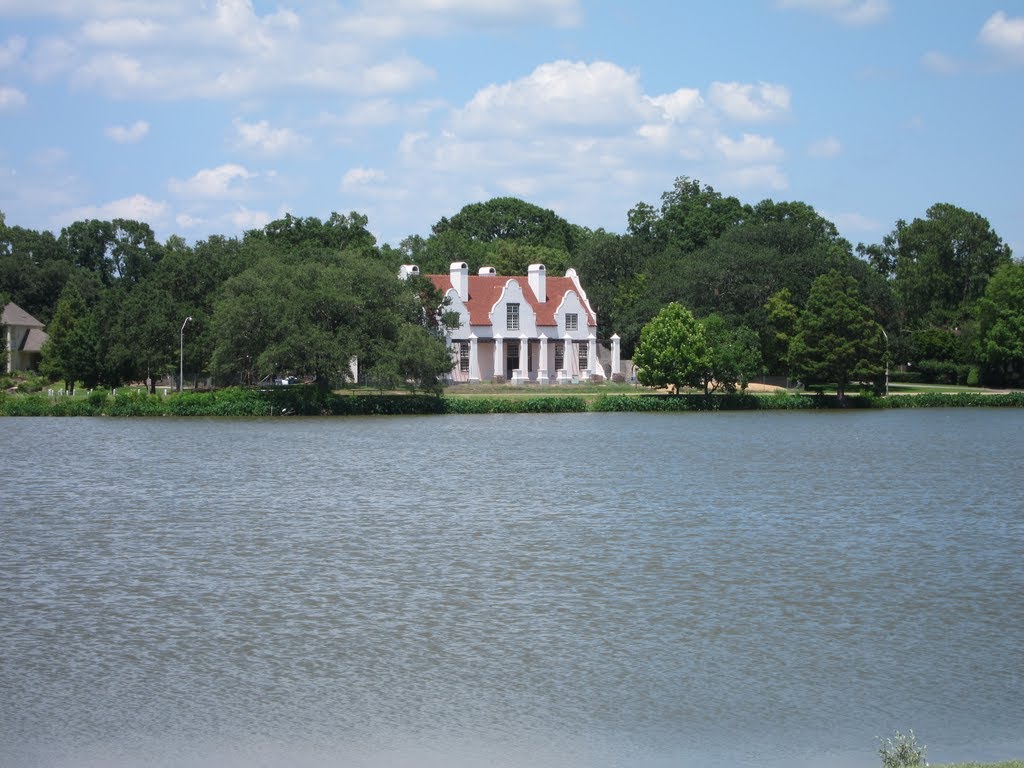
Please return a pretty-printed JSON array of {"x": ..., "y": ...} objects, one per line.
[
  {"x": 571, "y": 303},
  {"x": 513, "y": 294},
  {"x": 458, "y": 305}
]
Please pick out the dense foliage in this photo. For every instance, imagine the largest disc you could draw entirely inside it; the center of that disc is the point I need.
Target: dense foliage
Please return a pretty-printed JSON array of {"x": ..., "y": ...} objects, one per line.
[
  {"x": 300, "y": 401},
  {"x": 304, "y": 297}
]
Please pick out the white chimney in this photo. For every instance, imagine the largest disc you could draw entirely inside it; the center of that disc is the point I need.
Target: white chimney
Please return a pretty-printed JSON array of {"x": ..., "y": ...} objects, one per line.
[
  {"x": 487, "y": 272},
  {"x": 408, "y": 270},
  {"x": 459, "y": 275},
  {"x": 538, "y": 282}
]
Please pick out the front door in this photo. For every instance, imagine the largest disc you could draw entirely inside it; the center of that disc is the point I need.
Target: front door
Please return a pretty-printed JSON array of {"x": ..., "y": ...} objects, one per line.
[{"x": 511, "y": 359}]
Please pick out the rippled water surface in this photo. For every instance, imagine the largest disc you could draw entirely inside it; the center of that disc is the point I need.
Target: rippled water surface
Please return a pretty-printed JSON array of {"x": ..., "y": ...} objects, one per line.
[{"x": 579, "y": 590}]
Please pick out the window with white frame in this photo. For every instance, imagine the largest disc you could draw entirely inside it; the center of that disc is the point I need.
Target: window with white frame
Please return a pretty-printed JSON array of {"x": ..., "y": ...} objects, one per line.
[
  {"x": 559, "y": 357},
  {"x": 512, "y": 317},
  {"x": 464, "y": 356},
  {"x": 583, "y": 356},
  {"x": 572, "y": 321}
]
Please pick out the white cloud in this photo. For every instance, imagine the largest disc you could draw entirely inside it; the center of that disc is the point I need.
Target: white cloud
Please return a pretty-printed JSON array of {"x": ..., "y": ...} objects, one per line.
[
  {"x": 560, "y": 93},
  {"x": 49, "y": 157},
  {"x": 388, "y": 19},
  {"x": 245, "y": 219},
  {"x": 187, "y": 221},
  {"x": 756, "y": 177},
  {"x": 139, "y": 207},
  {"x": 940, "y": 63},
  {"x": 355, "y": 177},
  {"x": 374, "y": 112},
  {"x": 11, "y": 98},
  {"x": 128, "y": 134},
  {"x": 72, "y": 9},
  {"x": 52, "y": 56},
  {"x": 586, "y": 138},
  {"x": 117, "y": 73},
  {"x": 120, "y": 32},
  {"x": 853, "y": 221},
  {"x": 11, "y": 51},
  {"x": 830, "y": 146},
  {"x": 410, "y": 141},
  {"x": 271, "y": 141},
  {"x": 750, "y": 103},
  {"x": 220, "y": 183},
  {"x": 751, "y": 148},
  {"x": 1004, "y": 35},
  {"x": 395, "y": 75},
  {"x": 679, "y": 106},
  {"x": 851, "y": 12},
  {"x": 371, "y": 183}
]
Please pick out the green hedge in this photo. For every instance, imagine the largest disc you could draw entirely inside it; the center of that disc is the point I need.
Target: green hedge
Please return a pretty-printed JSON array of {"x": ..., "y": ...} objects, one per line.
[
  {"x": 955, "y": 400},
  {"x": 298, "y": 401},
  {"x": 555, "y": 404},
  {"x": 736, "y": 402}
]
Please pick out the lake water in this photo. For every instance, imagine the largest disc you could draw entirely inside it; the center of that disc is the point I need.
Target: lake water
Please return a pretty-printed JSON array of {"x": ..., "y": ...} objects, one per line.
[{"x": 734, "y": 589}]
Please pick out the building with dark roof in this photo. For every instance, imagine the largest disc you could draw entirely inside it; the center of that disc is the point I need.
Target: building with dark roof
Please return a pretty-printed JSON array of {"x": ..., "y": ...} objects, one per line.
[{"x": 23, "y": 336}]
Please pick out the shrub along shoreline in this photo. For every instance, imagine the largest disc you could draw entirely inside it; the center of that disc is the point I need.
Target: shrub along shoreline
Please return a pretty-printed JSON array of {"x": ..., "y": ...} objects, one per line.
[{"x": 306, "y": 401}]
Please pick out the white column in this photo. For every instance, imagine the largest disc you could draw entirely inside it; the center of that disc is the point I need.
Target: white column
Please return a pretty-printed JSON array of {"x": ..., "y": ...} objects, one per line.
[
  {"x": 593, "y": 366},
  {"x": 499, "y": 357},
  {"x": 565, "y": 373},
  {"x": 474, "y": 360},
  {"x": 542, "y": 364},
  {"x": 523, "y": 372},
  {"x": 616, "y": 355}
]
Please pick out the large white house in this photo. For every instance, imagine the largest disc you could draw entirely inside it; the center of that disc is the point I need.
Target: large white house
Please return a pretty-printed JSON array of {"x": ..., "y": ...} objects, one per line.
[{"x": 522, "y": 329}]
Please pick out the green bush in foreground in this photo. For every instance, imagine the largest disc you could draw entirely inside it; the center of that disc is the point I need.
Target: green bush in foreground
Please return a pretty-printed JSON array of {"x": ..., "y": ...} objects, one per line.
[{"x": 901, "y": 751}]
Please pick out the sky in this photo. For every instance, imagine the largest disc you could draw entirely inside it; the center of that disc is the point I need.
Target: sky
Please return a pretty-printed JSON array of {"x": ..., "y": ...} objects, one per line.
[{"x": 206, "y": 117}]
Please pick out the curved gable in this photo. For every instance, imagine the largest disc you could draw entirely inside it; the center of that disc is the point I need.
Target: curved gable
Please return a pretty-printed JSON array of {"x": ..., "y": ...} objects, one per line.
[{"x": 512, "y": 292}]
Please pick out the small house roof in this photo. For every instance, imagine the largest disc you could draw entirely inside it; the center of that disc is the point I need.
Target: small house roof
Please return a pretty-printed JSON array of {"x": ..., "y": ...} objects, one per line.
[
  {"x": 34, "y": 340},
  {"x": 15, "y": 315}
]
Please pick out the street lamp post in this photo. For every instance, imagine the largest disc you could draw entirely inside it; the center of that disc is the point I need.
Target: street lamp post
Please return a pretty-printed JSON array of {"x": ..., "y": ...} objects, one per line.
[
  {"x": 886, "y": 335},
  {"x": 181, "y": 354}
]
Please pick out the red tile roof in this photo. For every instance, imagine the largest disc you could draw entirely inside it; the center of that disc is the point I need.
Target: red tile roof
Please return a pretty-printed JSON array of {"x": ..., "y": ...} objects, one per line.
[{"x": 485, "y": 290}]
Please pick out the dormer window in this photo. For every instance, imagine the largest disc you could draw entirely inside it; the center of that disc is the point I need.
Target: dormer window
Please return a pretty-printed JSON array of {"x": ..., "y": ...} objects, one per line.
[
  {"x": 572, "y": 321},
  {"x": 512, "y": 317}
]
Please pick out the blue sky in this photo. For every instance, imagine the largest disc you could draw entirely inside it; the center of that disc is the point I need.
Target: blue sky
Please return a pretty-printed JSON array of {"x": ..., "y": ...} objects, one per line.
[{"x": 216, "y": 116}]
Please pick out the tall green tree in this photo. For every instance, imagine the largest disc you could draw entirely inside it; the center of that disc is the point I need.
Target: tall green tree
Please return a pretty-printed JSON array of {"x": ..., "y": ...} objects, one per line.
[
  {"x": 297, "y": 235},
  {"x": 509, "y": 218},
  {"x": 1001, "y": 327},
  {"x": 71, "y": 351},
  {"x": 33, "y": 269},
  {"x": 940, "y": 265},
  {"x": 149, "y": 328},
  {"x": 673, "y": 350},
  {"x": 692, "y": 216},
  {"x": 837, "y": 339},
  {"x": 735, "y": 355},
  {"x": 608, "y": 265},
  {"x": 782, "y": 316},
  {"x": 311, "y": 316}
]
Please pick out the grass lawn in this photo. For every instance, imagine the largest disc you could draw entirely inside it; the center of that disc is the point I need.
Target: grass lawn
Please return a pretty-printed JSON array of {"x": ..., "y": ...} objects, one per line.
[{"x": 542, "y": 390}]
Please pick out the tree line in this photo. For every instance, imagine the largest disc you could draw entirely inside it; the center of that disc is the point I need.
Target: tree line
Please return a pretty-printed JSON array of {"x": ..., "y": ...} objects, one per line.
[{"x": 303, "y": 296}]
